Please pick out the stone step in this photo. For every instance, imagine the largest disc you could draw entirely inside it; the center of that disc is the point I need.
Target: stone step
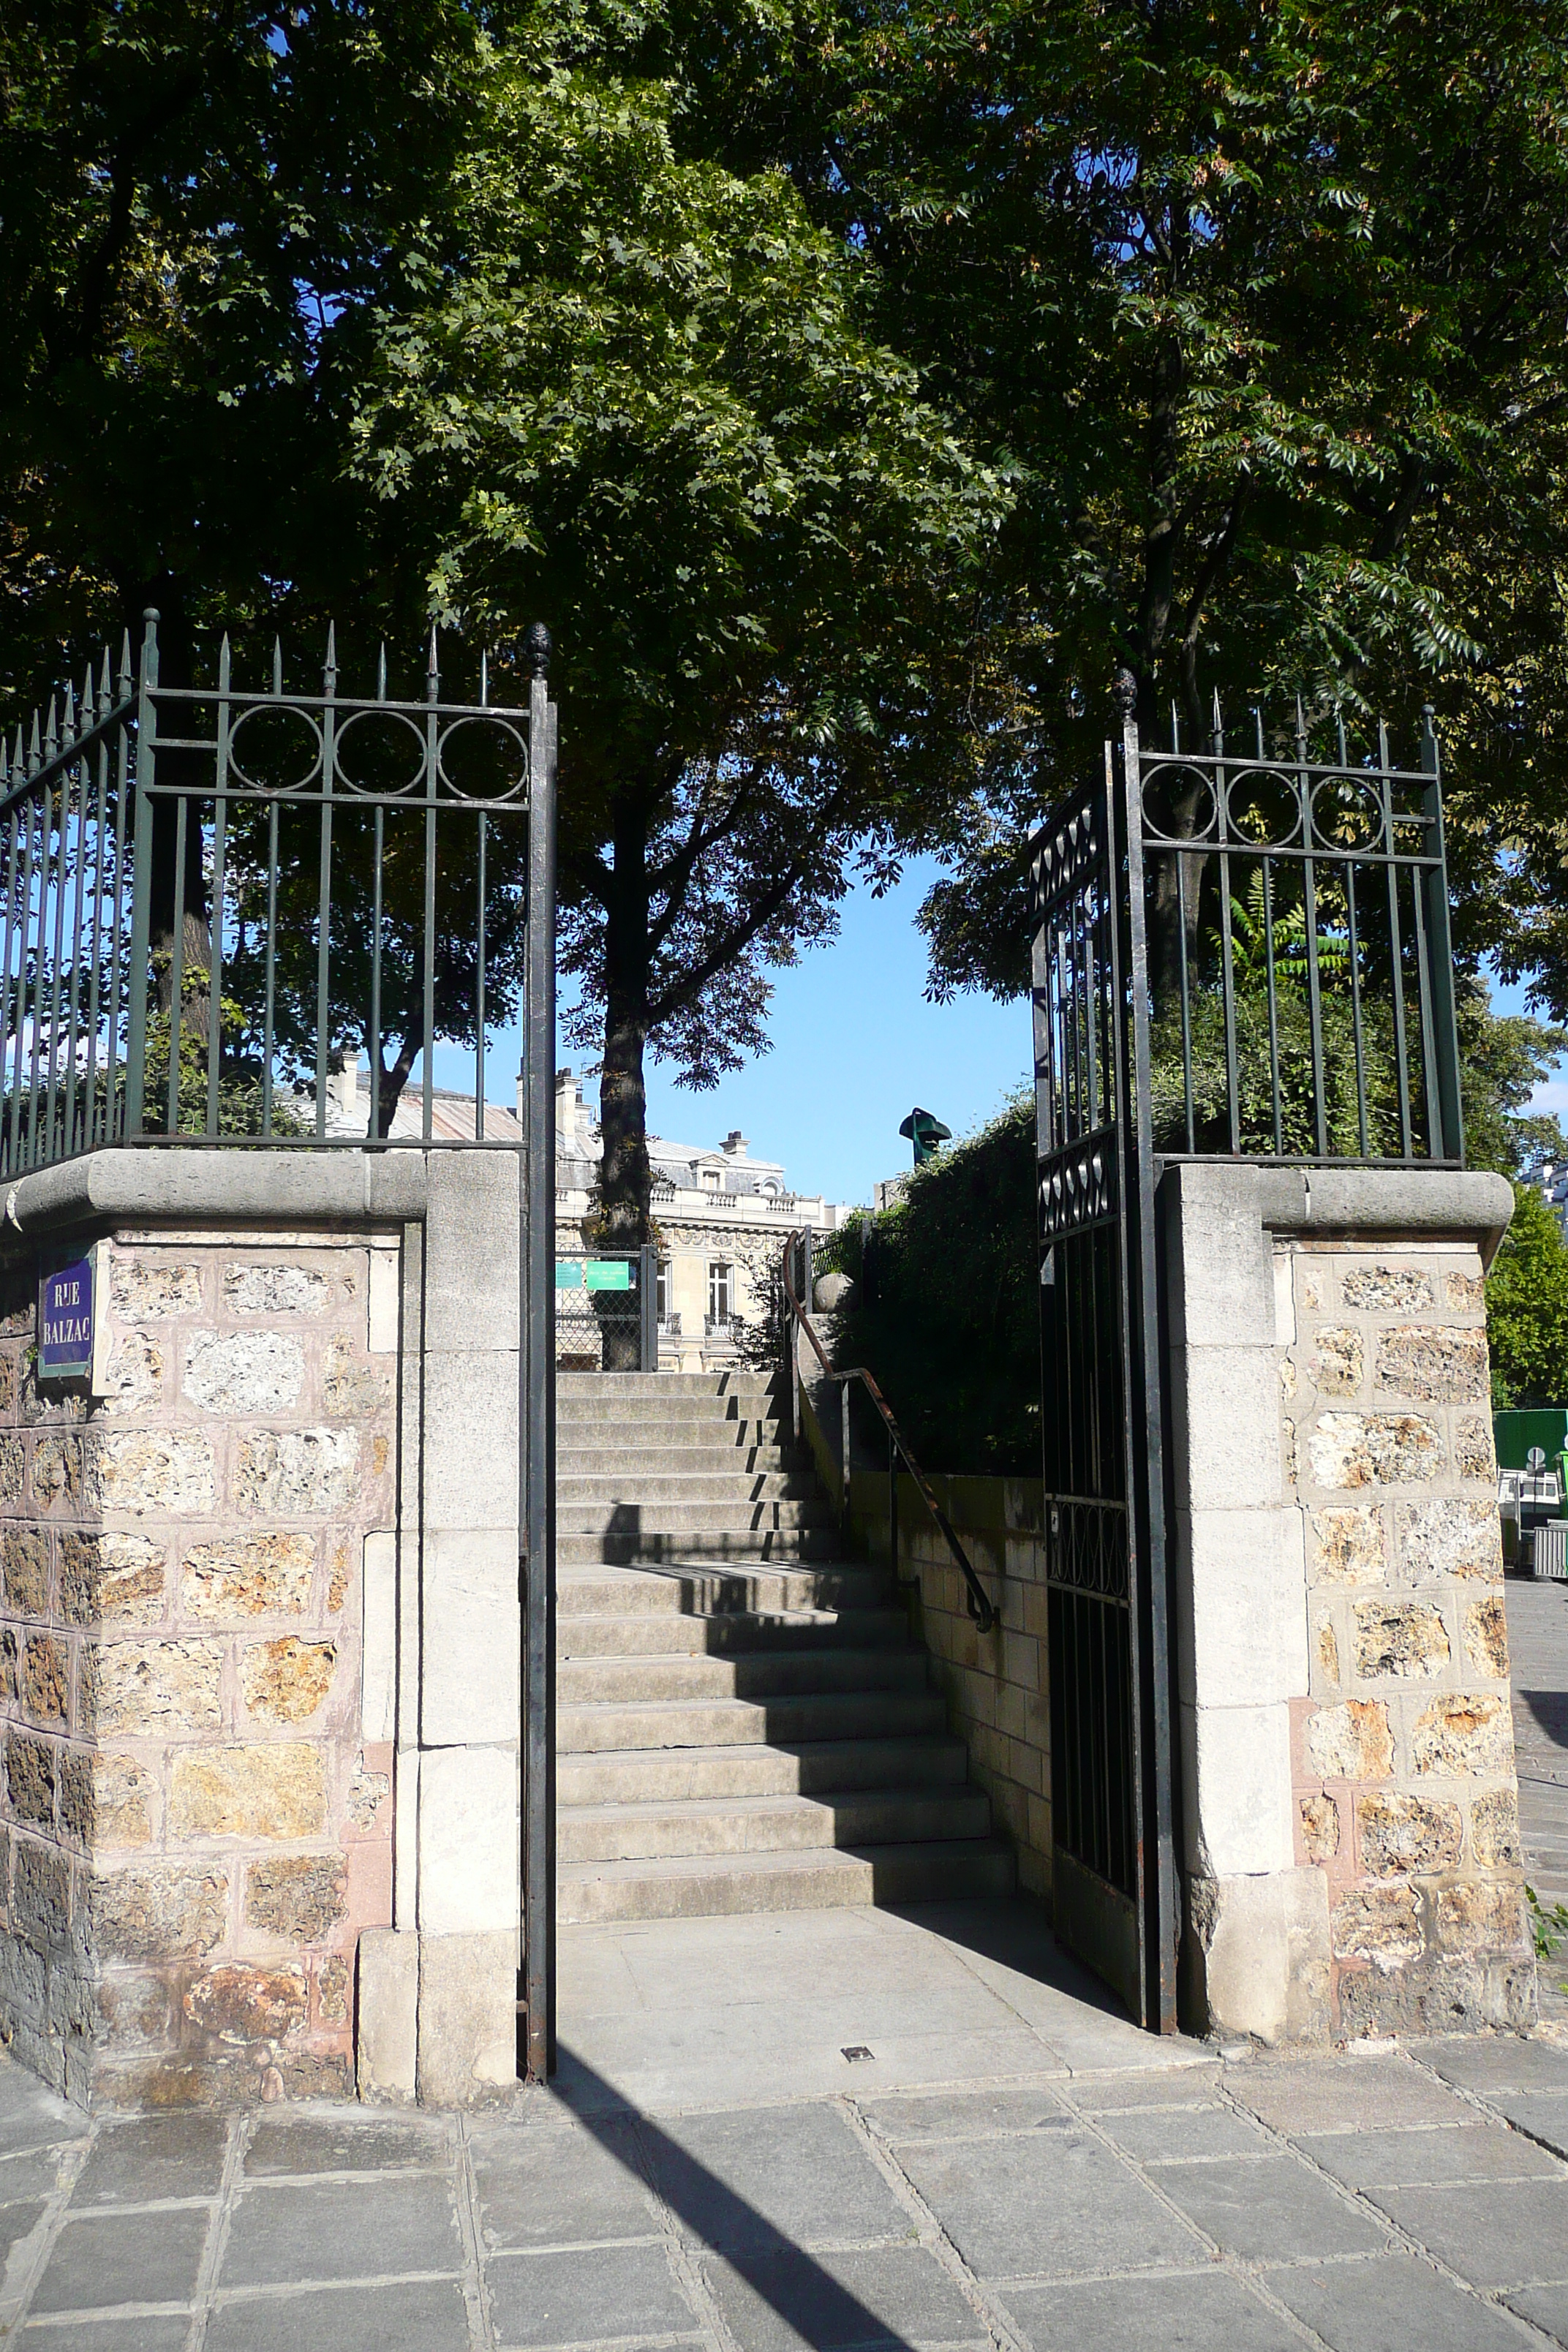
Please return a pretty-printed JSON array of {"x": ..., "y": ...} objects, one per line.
[
  {"x": 725, "y": 1485},
  {"x": 630, "y": 1776},
  {"x": 666, "y": 1405},
  {"x": 775, "y": 1824},
  {"x": 624, "y": 1386},
  {"x": 701, "y": 1590},
  {"x": 708, "y": 1886},
  {"x": 659, "y": 1633},
  {"x": 696, "y": 1449},
  {"x": 792, "y": 1719},
  {"x": 731, "y": 1515},
  {"x": 760, "y": 1675},
  {"x": 648, "y": 1548}
]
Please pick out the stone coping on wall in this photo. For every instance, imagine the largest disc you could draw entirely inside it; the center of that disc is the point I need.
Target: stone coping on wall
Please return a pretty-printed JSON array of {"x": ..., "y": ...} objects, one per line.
[{"x": 190, "y": 1181}]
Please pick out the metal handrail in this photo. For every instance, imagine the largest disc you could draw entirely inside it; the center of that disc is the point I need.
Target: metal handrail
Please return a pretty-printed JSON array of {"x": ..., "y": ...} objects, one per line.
[{"x": 977, "y": 1599}]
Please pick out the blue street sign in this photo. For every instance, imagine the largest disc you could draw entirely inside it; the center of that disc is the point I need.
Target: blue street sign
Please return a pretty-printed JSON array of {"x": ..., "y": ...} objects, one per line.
[{"x": 65, "y": 1318}]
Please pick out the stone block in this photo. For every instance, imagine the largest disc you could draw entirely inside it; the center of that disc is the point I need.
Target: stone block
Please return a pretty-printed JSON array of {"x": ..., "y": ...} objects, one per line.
[
  {"x": 1320, "y": 1818},
  {"x": 168, "y": 1471},
  {"x": 10, "y": 1664},
  {"x": 276, "y": 1791},
  {"x": 248, "y": 1575},
  {"x": 149, "y": 1290},
  {"x": 1243, "y": 1809},
  {"x": 468, "y": 2017},
  {"x": 298, "y": 1896},
  {"x": 1380, "y": 1923},
  {"x": 297, "y": 1473},
  {"x": 253, "y": 1288},
  {"x": 1476, "y": 1916},
  {"x": 333, "y": 1988},
  {"x": 30, "y": 1778},
  {"x": 1451, "y": 1537},
  {"x": 243, "y": 1371},
  {"x": 1494, "y": 1830},
  {"x": 287, "y": 1681},
  {"x": 387, "y": 2015},
  {"x": 1350, "y": 1742},
  {"x": 1368, "y": 1449},
  {"x": 1229, "y": 1409},
  {"x": 468, "y": 1841},
  {"x": 470, "y": 1438},
  {"x": 57, "y": 1469},
  {"x": 1387, "y": 1289},
  {"x": 1466, "y": 1291},
  {"x": 1486, "y": 1636},
  {"x": 13, "y": 1467},
  {"x": 135, "y": 1376},
  {"x": 472, "y": 1662},
  {"x": 238, "y": 2004},
  {"x": 1462, "y": 1735},
  {"x": 148, "y": 1690},
  {"x": 76, "y": 1798},
  {"x": 1349, "y": 1547},
  {"x": 1241, "y": 1631},
  {"x": 1265, "y": 1947},
  {"x": 1433, "y": 1360},
  {"x": 1338, "y": 1361},
  {"x": 382, "y": 1309},
  {"x": 25, "y": 1564},
  {"x": 472, "y": 1227},
  {"x": 111, "y": 1577},
  {"x": 1473, "y": 1454},
  {"x": 123, "y": 1798},
  {"x": 1403, "y": 1837},
  {"x": 40, "y": 1893},
  {"x": 351, "y": 1387},
  {"x": 1402, "y": 1638},
  {"x": 378, "y": 1617},
  {"x": 1328, "y": 1654},
  {"x": 46, "y": 1679}
]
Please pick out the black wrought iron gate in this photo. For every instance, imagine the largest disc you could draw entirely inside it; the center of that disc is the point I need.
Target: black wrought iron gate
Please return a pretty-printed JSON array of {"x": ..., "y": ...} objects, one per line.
[{"x": 1114, "y": 1869}]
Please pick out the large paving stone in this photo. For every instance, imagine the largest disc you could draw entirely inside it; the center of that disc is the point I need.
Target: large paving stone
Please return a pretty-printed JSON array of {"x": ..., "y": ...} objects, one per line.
[
  {"x": 749, "y": 2182},
  {"x": 31, "y": 2117},
  {"x": 342, "y": 2229},
  {"x": 1543, "y": 2114},
  {"x": 966, "y": 2114},
  {"x": 1546, "y": 2305},
  {"x": 1327, "y": 2094},
  {"x": 109, "y": 2258},
  {"x": 795, "y": 2302},
  {"x": 1269, "y": 2209},
  {"x": 313, "y": 2144},
  {"x": 1191, "y": 2312},
  {"x": 1501, "y": 2061},
  {"x": 1058, "y": 2203},
  {"x": 1171, "y": 2087},
  {"x": 626, "y": 2292},
  {"x": 1495, "y": 2233},
  {"x": 1164, "y": 2136},
  {"x": 564, "y": 2187},
  {"x": 1408, "y": 2159},
  {"x": 29, "y": 2177},
  {"x": 127, "y": 2333},
  {"x": 154, "y": 2157},
  {"x": 1392, "y": 2304},
  {"x": 429, "y": 2317}
]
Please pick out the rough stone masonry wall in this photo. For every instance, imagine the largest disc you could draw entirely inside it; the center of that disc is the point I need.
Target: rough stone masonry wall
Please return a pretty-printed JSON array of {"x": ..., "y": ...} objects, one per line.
[
  {"x": 194, "y": 1832},
  {"x": 1402, "y": 1751},
  {"x": 996, "y": 1685}
]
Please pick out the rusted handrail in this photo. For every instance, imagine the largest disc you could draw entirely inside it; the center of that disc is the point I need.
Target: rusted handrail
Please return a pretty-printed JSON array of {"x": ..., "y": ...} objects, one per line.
[{"x": 978, "y": 1602}]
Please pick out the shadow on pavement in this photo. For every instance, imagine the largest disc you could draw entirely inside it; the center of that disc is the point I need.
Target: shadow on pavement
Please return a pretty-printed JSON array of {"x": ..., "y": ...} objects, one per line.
[
  {"x": 1014, "y": 1934},
  {"x": 806, "y": 2296}
]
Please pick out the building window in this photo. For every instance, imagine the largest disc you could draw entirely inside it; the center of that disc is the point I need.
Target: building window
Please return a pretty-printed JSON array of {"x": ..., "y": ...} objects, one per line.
[
  {"x": 710, "y": 1177},
  {"x": 721, "y": 1290},
  {"x": 661, "y": 1290}
]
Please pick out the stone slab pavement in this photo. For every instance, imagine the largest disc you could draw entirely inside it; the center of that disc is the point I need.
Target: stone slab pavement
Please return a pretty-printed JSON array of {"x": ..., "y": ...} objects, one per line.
[
  {"x": 1538, "y": 1638},
  {"x": 1095, "y": 2188}
]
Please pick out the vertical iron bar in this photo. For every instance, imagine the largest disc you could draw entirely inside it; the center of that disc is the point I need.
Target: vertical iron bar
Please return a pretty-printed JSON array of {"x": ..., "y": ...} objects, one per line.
[
  {"x": 177, "y": 965},
  {"x": 43, "y": 802},
  {"x": 15, "y": 940},
  {"x": 844, "y": 1451},
  {"x": 69, "y": 1124},
  {"x": 95, "y": 977},
  {"x": 119, "y": 1006},
  {"x": 1355, "y": 934},
  {"x": 220, "y": 878},
  {"x": 269, "y": 971},
  {"x": 141, "y": 880},
  {"x": 374, "y": 1122},
  {"x": 58, "y": 889},
  {"x": 324, "y": 894},
  {"x": 479, "y": 1013},
  {"x": 1395, "y": 945},
  {"x": 1446, "y": 1042},
  {"x": 537, "y": 1365},
  {"x": 1273, "y": 1007},
  {"x": 432, "y": 768},
  {"x": 1310, "y": 904}
]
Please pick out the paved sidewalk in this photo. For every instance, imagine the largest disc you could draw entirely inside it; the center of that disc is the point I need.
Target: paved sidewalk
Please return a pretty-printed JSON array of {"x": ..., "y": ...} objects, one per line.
[{"x": 1112, "y": 2191}]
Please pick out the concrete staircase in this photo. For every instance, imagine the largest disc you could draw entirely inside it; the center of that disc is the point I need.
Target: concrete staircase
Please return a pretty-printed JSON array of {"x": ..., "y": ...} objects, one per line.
[{"x": 743, "y": 1722}]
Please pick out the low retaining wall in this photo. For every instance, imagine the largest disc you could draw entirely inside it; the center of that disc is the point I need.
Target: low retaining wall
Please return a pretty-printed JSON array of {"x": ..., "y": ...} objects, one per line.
[{"x": 997, "y": 1684}]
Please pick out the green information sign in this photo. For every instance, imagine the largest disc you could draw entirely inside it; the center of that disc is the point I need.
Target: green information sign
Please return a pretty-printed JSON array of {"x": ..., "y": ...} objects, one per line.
[{"x": 594, "y": 1274}]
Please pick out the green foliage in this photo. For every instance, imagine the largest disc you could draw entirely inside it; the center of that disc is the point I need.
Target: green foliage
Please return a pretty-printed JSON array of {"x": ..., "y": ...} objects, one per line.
[
  {"x": 1527, "y": 1307},
  {"x": 1548, "y": 1928},
  {"x": 945, "y": 1307}
]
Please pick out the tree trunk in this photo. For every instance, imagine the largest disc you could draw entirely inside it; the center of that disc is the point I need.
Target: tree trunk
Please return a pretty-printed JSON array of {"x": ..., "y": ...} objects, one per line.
[{"x": 626, "y": 1177}]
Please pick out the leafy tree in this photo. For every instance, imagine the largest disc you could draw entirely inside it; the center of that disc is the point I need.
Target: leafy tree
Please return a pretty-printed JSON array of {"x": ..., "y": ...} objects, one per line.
[
  {"x": 638, "y": 395},
  {"x": 1527, "y": 1307}
]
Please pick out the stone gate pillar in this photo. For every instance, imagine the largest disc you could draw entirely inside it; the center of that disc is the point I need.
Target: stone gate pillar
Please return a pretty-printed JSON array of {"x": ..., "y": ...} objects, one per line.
[{"x": 1350, "y": 1828}]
